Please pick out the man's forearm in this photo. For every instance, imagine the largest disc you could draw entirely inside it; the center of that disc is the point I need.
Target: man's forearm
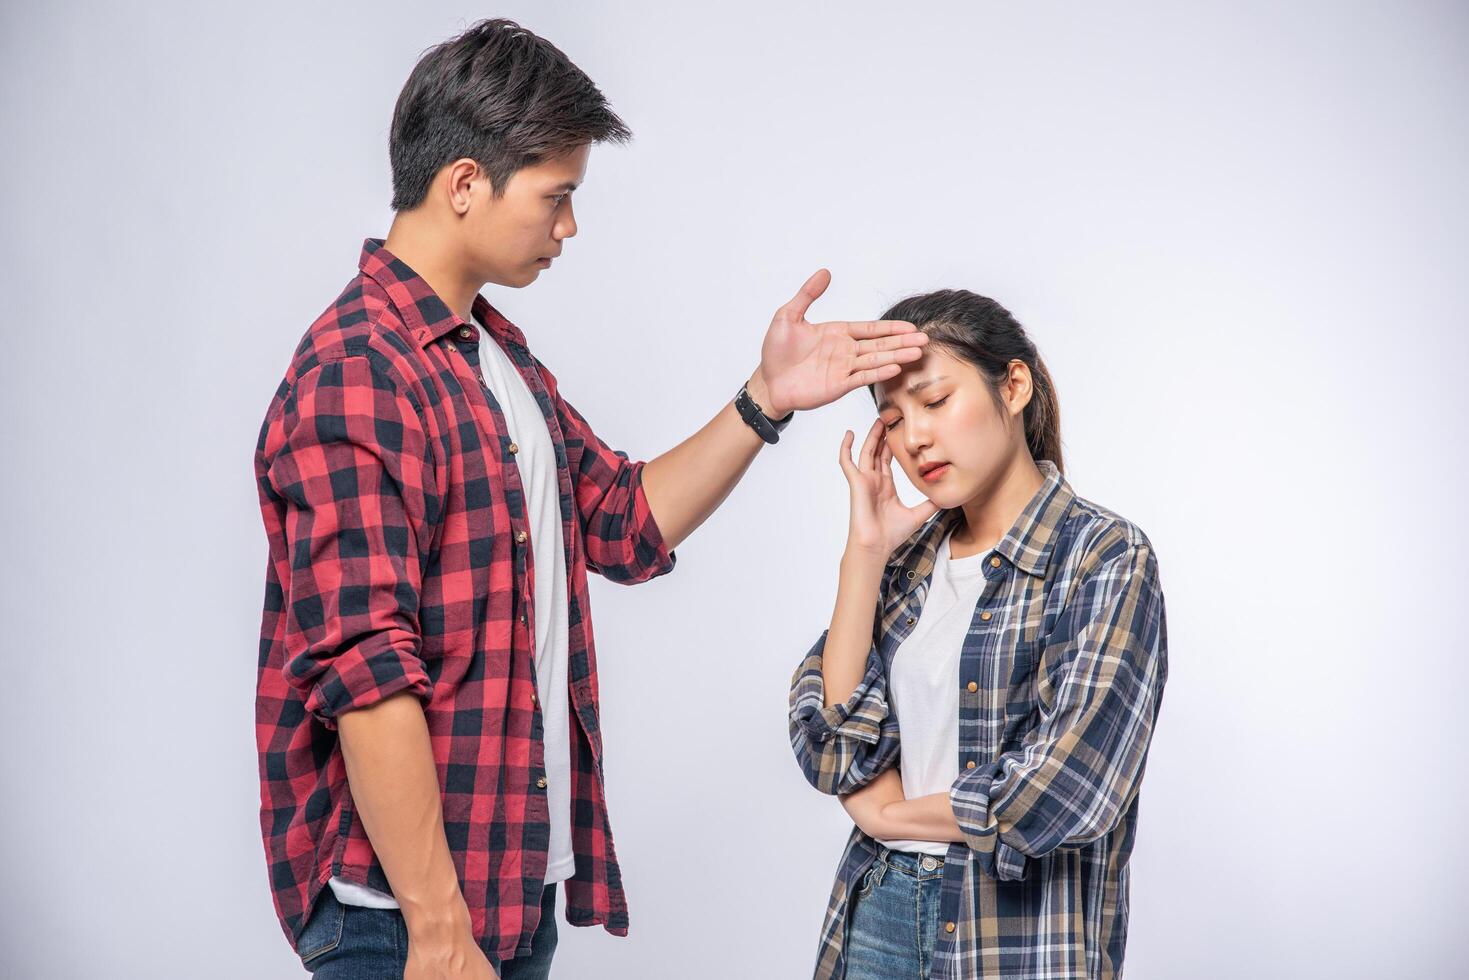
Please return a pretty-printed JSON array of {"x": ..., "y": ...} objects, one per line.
[
  {"x": 395, "y": 786},
  {"x": 689, "y": 482}
]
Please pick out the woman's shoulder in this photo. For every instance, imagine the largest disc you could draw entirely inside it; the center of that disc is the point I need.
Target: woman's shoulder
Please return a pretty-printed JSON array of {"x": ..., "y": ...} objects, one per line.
[{"x": 1092, "y": 536}]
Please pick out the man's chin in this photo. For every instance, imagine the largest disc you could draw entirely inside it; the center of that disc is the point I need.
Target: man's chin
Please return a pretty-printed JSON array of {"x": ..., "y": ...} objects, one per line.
[{"x": 519, "y": 280}]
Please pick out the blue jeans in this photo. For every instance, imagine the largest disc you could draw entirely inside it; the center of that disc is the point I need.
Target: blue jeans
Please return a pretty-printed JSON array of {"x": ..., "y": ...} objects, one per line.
[
  {"x": 895, "y": 918},
  {"x": 349, "y": 942}
]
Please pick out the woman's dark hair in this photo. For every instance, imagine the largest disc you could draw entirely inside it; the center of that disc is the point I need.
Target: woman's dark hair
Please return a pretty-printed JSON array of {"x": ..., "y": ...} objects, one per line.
[
  {"x": 499, "y": 95},
  {"x": 976, "y": 329}
]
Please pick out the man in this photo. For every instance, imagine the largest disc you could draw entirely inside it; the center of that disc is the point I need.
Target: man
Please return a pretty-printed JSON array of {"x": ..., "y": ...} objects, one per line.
[{"x": 427, "y": 719}]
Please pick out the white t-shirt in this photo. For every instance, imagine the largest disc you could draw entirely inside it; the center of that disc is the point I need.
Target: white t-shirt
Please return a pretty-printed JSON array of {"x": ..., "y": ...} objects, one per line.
[
  {"x": 923, "y": 683},
  {"x": 536, "y": 459}
]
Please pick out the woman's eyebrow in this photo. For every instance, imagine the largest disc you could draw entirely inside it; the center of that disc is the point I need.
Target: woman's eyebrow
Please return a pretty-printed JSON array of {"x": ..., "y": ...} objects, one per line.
[{"x": 913, "y": 389}]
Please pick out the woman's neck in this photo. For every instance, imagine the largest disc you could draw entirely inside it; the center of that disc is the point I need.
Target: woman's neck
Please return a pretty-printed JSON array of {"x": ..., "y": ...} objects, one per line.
[{"x": 990, "y": 514}]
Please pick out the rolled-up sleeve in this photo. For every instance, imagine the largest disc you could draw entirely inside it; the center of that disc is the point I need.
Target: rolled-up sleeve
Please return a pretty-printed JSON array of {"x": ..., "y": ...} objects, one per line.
[
  {"x": 353, "y": 468},
  {"x": 841, "y": 747},
  {"x": 1074, "y": 777},
  {"x": 622, "y": 540}
]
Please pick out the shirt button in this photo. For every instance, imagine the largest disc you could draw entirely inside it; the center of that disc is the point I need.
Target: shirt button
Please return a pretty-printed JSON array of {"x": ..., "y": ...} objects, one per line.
[
  {"x": 995, "y": 562},
  {"x": 466, "y": 333},
  {"x": 912, "y": 620},
  {"x": 514, "y": 449},
  {"x": 969, "y": 764},
  {"x": 948, "y": 927},
  {"x": 912, "y": 574},
  {"x": 985, "y": 615},
  {"x": 541, "y": 783},
  {"x": 520, "y": 538},
  {"x": 973, "y": 687}
]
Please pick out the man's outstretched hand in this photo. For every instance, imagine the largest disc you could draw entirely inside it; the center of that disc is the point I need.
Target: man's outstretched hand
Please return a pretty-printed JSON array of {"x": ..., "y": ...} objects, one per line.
[{"x": 807, "y": 365}]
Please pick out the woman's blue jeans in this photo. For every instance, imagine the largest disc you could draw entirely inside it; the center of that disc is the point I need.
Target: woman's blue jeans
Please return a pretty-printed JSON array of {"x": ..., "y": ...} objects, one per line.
[{"x": 895, "y": 918}]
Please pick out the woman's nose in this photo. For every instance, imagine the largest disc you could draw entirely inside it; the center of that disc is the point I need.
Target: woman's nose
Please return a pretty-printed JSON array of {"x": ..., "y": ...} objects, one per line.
[{"x": 915, "y": 439}]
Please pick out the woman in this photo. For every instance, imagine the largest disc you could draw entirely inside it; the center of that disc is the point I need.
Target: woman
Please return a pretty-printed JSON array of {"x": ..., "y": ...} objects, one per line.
[{"x": 1005, "y": 641}]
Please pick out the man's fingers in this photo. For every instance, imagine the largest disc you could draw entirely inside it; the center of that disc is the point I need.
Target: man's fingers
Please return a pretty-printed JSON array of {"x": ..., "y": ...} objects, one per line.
[
  {"x": 913, "y": 340},
  {"x": 808, "y": 294},
  {"x": 872, "y": 329},
  {"x": 861, "y": 379},
  {"x": 879, "y": 358}
]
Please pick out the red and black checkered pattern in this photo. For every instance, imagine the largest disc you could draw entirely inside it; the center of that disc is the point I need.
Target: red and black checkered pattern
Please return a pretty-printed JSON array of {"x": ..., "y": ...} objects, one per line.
[{"x": 400, "y": 561}]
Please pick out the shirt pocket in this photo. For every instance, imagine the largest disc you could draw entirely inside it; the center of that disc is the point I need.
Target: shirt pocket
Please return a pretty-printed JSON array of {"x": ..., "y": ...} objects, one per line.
[{"x": 1022, "y": 696}]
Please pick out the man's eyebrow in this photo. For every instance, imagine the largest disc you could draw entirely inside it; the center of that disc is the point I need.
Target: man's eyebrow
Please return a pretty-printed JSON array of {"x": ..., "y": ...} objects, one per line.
[
  {"x": 913, "y": 389},
  {"x": 565, "y": 188}
]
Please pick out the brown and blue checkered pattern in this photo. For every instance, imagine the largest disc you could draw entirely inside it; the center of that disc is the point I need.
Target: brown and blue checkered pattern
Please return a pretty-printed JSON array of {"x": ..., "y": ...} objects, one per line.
[{"x": 1068, "y": 672}]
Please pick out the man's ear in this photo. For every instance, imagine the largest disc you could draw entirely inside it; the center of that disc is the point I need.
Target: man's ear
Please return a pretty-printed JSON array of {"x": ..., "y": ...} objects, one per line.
[{"x": 459, "y": 180}]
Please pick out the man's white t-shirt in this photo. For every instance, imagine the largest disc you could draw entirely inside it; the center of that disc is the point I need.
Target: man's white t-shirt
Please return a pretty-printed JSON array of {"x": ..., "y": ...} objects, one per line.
[
  {"x": 536, "y": 460},
  {"x": 923, "y": 683}
]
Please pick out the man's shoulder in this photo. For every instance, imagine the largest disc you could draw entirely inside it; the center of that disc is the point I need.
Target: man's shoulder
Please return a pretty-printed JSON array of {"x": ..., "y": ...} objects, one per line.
[{"x": 360, "y": 323}]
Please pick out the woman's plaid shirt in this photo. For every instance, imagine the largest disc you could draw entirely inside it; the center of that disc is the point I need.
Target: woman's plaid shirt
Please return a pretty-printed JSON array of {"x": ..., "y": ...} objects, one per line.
[
  {"x": 400, "y": 561},
  {"x": 1060, "y": 681}
]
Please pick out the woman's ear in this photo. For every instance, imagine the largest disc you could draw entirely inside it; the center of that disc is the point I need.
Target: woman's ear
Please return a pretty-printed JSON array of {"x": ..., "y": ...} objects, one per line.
[{"x": 1019, "y": 387}]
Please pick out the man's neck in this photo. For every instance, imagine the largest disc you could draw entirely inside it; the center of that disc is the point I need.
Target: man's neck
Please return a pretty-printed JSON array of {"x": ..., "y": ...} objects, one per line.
[{"x": 412, "y": 240}]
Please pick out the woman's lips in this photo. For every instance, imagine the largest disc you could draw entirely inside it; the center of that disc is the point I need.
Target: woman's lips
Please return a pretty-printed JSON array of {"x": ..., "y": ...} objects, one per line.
[{"x": 936, "y": 474}]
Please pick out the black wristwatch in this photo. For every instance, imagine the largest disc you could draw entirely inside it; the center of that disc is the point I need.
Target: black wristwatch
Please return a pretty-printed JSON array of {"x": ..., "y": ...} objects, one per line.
[{"x": 765, "y": 426}]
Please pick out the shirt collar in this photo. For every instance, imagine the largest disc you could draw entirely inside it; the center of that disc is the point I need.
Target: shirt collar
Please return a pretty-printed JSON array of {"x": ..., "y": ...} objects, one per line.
[
  {"x": 1027, "y": 545},
  {"x": 426, "y": 316}
]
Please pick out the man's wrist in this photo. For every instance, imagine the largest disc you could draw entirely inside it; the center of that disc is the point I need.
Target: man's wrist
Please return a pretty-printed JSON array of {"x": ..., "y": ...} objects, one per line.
[
  {"x": 441, "y": 920},
  {"x": 759, "y": 392}
]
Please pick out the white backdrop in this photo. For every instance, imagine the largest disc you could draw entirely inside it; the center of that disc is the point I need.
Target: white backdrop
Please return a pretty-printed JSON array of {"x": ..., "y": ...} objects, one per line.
[{"x": 1235, "y": 230}]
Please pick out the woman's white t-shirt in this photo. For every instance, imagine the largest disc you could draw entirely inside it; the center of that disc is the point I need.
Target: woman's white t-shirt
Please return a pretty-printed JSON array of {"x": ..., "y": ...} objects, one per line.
[{"x": 923, "y": 683}]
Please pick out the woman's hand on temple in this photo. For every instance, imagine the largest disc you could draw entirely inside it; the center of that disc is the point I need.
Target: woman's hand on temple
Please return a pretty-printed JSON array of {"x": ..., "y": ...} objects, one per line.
[{"x": 879, "y": 520}]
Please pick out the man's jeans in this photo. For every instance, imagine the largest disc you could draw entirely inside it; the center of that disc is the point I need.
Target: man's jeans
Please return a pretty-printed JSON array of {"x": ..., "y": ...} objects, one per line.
[
  {"x": 349, "y": 942},
  {"x": 896, "y": 917}
]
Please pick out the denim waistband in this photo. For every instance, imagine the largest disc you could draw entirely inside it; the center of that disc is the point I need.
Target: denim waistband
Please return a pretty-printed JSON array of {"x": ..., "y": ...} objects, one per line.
[{"x": 911, "y": 863}]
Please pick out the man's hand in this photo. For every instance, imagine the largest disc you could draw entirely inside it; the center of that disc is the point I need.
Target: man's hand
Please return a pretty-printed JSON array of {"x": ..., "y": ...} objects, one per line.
[
  {"x": 807, "y": 365},
  {"x": 446, "y": 953},
  {"x": 390, "y": 770}
]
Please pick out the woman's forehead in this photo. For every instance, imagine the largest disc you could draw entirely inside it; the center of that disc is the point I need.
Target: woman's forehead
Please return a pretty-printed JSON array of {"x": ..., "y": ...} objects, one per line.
[{"x": 935, "y": 365}]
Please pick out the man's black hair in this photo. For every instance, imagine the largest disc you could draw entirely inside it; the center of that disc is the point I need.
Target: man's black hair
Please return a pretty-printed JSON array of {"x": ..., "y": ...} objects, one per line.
[{"x": 496, "y": 94}]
